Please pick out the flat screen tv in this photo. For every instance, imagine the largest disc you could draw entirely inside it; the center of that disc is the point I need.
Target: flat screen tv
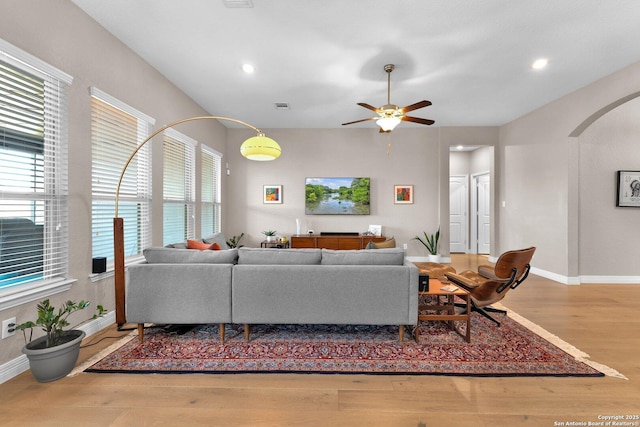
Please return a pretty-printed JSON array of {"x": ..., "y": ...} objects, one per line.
[{"x": 337, "y": 196}]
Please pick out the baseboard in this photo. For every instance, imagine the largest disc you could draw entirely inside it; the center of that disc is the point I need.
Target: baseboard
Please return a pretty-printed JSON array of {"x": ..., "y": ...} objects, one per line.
[
  {"x": 578, "y": 280},
  {"x": 20, "y": 364},
  {"x": 443, "y": 259}
]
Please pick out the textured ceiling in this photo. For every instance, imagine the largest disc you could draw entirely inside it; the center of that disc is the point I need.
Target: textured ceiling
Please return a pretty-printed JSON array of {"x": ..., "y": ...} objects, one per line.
[{"x": 470, "y": 58}]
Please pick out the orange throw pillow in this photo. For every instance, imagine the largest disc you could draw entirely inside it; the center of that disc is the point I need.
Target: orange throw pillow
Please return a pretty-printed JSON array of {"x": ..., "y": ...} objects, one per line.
[{"x": 194, "y": 244}]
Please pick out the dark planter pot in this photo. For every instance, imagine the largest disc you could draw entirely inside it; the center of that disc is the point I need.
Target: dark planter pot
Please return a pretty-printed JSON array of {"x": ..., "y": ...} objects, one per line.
[{"x": 50, "y": 364}]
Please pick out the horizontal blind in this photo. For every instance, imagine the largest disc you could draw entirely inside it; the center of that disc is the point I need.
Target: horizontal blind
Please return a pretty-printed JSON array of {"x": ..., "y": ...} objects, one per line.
[
  {"x": 116, "y": 132},
  {"x": 178, "y": 187},
  {"x": 33, "y": 174},
  {"x": 210, "y": 192}
]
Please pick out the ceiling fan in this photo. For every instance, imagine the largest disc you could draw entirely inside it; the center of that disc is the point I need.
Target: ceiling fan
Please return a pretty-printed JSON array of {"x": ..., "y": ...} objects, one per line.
[{"x": 390, "y": 115}]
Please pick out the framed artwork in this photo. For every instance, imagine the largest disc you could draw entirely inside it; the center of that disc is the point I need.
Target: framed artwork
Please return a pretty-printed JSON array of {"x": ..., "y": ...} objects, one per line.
[
  {"x": 403, "y": 194},
  {"x": 628, "y": 194},
  {"x": 272, "y": 194}
]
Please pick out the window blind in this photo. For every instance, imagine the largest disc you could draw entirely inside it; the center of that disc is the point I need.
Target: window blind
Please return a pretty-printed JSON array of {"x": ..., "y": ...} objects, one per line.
[
  {"x": 116, "y": 131},
  {"x": 210, "y": 197},
  {"x": 33, "y": 171},
  {"x": 178, "y": 187}
]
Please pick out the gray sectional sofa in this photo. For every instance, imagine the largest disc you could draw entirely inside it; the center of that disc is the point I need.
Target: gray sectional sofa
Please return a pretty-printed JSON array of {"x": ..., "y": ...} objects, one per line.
[{"x": 275, "y": 286}]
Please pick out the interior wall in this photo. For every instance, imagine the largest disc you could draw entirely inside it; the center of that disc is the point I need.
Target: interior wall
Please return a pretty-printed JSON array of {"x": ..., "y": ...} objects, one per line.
[
  {"x": 359, "y": 152},
  {"x": 538, "y": 166},
  {"x": 608, "y": 145},
  {"x": 62, "y": 35}
]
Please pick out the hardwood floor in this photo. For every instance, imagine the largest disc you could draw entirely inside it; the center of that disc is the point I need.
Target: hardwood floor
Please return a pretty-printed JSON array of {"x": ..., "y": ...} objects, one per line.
[{"x": 601, "y": 320}]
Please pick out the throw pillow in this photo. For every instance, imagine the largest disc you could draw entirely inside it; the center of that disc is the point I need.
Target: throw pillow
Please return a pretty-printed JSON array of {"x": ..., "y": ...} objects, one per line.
[{"x": 194, "y": 244}]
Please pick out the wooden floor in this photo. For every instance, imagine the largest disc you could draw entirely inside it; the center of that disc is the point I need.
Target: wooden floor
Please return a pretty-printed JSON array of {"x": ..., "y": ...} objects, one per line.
[{"x": 601, "y": 320}]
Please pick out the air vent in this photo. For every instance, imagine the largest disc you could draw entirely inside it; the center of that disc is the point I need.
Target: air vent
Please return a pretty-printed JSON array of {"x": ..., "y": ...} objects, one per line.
[
  {"x": 238, "y": 3},
  {"x": 282, "y": 105}
]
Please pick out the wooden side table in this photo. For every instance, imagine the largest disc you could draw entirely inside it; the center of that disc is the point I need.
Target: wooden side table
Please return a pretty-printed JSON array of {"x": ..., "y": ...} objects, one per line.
[
  {"x": 275, "y": 244},
  {"x": 445, "y": 309}
]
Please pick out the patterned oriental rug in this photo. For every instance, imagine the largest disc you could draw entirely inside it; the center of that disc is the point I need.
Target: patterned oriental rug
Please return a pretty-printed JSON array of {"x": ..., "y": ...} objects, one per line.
[{"x": 509, "y": 350}]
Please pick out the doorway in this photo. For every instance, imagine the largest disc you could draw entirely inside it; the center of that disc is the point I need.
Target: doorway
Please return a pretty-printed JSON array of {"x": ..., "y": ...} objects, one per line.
[{"x": 481, "y": 213}]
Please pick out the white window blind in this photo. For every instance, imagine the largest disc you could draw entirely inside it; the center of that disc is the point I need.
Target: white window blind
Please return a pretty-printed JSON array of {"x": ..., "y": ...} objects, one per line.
[
  {"x": 33, "y": 171},
  {"x": 210, "y": 199},
  {"x": 116, "y": 131},
  {"x": 178, "y": 187}
]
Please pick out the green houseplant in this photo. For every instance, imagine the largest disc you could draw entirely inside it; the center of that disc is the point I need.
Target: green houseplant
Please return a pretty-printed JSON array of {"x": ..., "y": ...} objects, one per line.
[
  {"x": 234, "y": 241},
  {"x": 430, "y": 242},
  {"x": 270, "y": 234},
  {"x": 54, "y": 355}
]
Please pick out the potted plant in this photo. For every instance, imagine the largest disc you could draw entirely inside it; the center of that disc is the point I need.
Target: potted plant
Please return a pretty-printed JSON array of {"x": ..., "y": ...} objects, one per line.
[
  {"x": 270, "y": 234},
  {"x": 234, "y": 241},
  {"x": 54, "y": 355},
  {"x": 430, "y": 241}
]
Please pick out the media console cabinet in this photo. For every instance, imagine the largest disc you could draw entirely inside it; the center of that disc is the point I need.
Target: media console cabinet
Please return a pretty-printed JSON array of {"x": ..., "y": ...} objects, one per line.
[{"x": 334, "y": 241}]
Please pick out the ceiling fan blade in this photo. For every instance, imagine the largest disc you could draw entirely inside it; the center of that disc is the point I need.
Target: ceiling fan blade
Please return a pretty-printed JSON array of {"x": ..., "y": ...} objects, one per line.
[
  {"x": 370, "y": 107},
  {"x": 417, "y": 120},
  {"x": 362, "y": 120},
  {"x": 417, "y": 105}
]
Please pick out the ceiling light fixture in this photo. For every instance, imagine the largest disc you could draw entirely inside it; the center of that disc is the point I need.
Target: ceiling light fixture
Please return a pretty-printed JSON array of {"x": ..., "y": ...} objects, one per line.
[
  {"x": 539, "y": 64},
  {"x": 248, "y": 68},
  {"x": 387, "y": 124}
]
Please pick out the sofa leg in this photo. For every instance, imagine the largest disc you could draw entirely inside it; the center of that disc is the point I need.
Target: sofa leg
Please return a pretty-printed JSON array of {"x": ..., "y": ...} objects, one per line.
[
  {"x": 246, "y": 332},
  {"x": 221, "y": 327},
  {"x": 401, "y": 333},
  {"x": 140, "y": 332}
]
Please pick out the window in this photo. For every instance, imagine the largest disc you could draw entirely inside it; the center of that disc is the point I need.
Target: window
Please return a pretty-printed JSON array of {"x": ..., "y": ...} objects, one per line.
[
  {"x": 33, "y": 177},
  {"x": 116, "y": 131},
  {"x": 210, "y": 192},
  {"x": 178, "y": 187}
]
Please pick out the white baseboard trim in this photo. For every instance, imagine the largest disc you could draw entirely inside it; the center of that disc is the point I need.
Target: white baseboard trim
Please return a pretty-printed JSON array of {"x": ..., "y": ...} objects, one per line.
[
  {"x": 578, "y": 280},
  {"x": 443, "y": 259},
  {"x": 20, "y": 364}
]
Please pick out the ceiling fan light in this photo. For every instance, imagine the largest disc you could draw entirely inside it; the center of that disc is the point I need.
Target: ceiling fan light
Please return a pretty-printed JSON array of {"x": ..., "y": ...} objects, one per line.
[
  {"x": 260, "y": 148},
  {"x": 387, "y": 124}
]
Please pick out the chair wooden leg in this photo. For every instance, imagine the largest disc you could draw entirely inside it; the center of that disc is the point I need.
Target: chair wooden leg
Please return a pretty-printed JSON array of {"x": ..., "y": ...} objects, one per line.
[
  {"x": 140, "y": 332},
  {"x": 246, "y": 332},
  {"x": 221, "y": 327},
  {"x": 401, "y": 333}
]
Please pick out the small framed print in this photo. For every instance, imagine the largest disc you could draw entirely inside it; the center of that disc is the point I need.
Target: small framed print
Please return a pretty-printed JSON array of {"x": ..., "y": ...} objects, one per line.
[
  {"x": 272, "y": 194},
  {"x": 403, "y": 194},
  {"x": 628, "y": 194}
]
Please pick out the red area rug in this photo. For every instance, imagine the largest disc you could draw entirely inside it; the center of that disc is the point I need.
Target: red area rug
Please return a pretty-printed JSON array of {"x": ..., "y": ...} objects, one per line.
[{"x": 508, "y": 350}]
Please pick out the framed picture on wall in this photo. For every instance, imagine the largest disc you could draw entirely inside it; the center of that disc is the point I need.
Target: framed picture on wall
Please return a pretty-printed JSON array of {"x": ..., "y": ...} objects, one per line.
[
  {"x": 403, "y": 194},
  {"x": 272, "y": 194},
  {"x": 628, "y": 189}
]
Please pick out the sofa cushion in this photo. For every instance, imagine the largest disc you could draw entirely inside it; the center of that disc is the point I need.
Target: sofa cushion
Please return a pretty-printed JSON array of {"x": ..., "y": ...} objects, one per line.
[
  {"x": 178, "y": 245},
  {"x": 217, "y": 238},
  {"x": 268, "y": 256},
  {"x": 389, "y": 256},
  {"x": 187, "y": 256}
]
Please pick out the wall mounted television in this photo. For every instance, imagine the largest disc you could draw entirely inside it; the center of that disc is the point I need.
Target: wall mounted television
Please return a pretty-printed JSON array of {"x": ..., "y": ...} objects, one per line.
[{"x": 337, "y": 196}]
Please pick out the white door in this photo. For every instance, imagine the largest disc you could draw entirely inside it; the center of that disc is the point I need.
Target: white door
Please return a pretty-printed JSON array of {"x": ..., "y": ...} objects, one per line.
[
  {"x": 483, "y": 190},
  {"x": 458, "y": 207}
]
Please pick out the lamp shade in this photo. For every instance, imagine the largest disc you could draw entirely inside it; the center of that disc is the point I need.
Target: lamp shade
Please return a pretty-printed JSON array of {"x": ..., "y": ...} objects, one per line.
[
  {"x": 388, "y": 123},
  {"x": 260, "y": 148}
]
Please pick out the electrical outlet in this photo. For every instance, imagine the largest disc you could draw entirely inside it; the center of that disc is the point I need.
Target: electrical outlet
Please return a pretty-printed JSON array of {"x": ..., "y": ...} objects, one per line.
[
  {"x": 404, "y": 246},
  {"x": 8, "y": 327}
]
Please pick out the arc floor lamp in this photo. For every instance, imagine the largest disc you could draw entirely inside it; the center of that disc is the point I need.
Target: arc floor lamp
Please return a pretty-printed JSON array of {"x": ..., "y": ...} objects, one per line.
[{"x": 259, "y": 147}]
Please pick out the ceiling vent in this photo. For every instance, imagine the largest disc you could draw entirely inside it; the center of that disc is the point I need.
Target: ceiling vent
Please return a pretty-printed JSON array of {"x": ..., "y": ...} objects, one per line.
[
  {"x": 282, "y": 105},
  {"x": 238, "y": 3}
]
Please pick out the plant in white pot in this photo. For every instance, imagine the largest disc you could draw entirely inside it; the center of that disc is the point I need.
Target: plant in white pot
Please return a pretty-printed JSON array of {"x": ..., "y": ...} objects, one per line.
[
  {"x": 430, "y": 242},
  {"x": 54, "y": 355},
  {"x": 270, "y": 234}
]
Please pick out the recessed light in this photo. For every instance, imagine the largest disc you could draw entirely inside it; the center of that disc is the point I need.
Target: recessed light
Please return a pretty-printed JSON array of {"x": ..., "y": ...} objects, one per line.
[
  {"x": 459, "y": 147},
  {"x": 248, "y": 68},
  {"x": 539, "y": 64}
]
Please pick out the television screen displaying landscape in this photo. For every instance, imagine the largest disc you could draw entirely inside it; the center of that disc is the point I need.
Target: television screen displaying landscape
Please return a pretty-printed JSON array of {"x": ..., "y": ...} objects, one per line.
[{"x": 337, "y": 196}]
